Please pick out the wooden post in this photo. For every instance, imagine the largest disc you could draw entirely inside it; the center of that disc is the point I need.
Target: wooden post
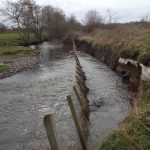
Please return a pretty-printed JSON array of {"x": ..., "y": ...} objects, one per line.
[
  {"x": 83, "y": 100},
  {"x": 76, "y": 121},
  {"x": 78, "y": 96},
  {"x": 83, "y": 84},
  {"x": 51, "y": 133},
  {"x": 82, "y": 75},
  {"x": 79, "y": 78},
  {"x": 80, "y": 69}
]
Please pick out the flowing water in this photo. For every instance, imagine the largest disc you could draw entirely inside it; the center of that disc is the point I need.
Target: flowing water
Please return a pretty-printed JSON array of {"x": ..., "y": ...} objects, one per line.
[{"x": 26, "y": 97}]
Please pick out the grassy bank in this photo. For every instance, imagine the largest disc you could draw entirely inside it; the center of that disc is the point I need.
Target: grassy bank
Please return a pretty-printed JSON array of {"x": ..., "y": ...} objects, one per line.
[
  {"x": 9, "y": 44},
  {"x": 13, "y": 39},
  {"x": 13, "y": 57},
  {"x": 128, "y": 41},
  {"x": 7, "y": 39},
  {"x": 134, "y": 132},
  {"x": 15, "y": 50}
]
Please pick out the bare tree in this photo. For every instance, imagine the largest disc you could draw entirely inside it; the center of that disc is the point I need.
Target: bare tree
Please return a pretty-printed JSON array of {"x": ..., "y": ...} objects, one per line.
[
  {"x": 111, "y": 17},
  {"x": 145, "y": 18},
  {"x": 55, "y": 21},
  {"x": 92, "y": 20},
  {"x": 38, "y": 22},
  {"x": 73, "y": 26},
  {"x": 13, "y": 11},
  {"x": 3, "y": 28},
  {"x": 33, "y": 19}
]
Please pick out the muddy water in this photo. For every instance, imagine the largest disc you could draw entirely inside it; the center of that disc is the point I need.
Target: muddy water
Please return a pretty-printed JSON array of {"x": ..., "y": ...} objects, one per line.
[{"x": 26, "y": 97}]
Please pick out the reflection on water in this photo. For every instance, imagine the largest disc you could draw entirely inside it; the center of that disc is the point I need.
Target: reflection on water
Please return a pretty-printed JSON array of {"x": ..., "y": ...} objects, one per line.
[{"x": 26, "y": 97}]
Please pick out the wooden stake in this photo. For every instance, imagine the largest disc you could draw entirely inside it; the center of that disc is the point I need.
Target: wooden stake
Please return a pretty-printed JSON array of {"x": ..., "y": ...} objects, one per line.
[
  {"x": 76, "y": 121},
  {"x": 51, "y": 133}
]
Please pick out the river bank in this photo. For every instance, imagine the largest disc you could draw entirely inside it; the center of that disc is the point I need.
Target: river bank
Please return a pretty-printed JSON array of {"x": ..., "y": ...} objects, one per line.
[
  {"x": 133, "y": 65},
  {"x": 16, "y": 55},
  {"x": 16, "y": 59}
]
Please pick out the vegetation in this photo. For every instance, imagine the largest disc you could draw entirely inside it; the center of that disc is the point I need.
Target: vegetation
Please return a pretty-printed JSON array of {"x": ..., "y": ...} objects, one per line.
[
  {"x": 7, "y": 39},
  {"x": 3, "y": 68},
  {"x": 33, "y": 22},
  {"x": 127, "y": 40},
  {"x": 14, "y": 50},
  {"x": 130, "y": 40},
  {"x": 92, "y": 20},
  {"x": 134, "y": 133},
  {"x": 32, "y": 19},
  {"x": 3, "y": 28}
]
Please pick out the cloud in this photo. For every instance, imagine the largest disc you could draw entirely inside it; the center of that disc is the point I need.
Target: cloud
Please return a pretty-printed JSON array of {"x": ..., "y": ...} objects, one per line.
[{"x": 127, "y": 9}]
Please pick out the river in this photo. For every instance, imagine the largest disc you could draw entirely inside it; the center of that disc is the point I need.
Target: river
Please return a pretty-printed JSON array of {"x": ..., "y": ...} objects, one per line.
[{"x": 27, "y": 96}]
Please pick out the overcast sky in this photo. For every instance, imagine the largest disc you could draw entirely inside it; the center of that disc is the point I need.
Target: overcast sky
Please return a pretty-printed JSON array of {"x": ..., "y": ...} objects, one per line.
[{"x": 127, "y": 10}]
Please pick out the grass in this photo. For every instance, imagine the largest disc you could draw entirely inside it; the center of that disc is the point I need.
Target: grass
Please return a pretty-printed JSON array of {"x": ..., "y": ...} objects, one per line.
[
  {"x": 134, "y": 133},
  {"x": 7, "y": 39},
  {"x": 14, "y": 50},
  {"x": 3, "y": 68},
  {"x": 13, "y": 39},
  {"x": 128, "y": 40}
]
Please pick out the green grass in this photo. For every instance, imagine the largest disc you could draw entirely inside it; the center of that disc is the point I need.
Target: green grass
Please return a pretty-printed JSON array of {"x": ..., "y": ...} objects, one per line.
[
  {"x": 3, "y": 68},
  {"x": 13, "y": 39},
  {"x": 14, "y": 50},
  {"x": 9, "y": 39},
  {"x": 134, "y": 133}
]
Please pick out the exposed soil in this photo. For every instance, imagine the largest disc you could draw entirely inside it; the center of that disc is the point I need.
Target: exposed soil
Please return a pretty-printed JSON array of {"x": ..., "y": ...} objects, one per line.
[{"x": 106, "y": 55}]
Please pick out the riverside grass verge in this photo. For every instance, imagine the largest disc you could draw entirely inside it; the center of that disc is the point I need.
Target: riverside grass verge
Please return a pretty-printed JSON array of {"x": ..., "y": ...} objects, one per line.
[
  {"x": 14, "y": 39},
  {"x": 14, "y": 59},
  {"x": 134, "y": 131},
  {"x": 15, "y": 50},
  {"x": 125, "y": 40},
  {"x": 8, "y": 39}
]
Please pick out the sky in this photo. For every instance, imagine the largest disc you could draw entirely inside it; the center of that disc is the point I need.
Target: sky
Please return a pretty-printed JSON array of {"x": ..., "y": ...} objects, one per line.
[{"x": 126, "y": 10}]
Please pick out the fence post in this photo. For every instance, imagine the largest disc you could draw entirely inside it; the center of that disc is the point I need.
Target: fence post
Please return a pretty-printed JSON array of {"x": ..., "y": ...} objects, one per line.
[
  {"x": 76, "y": 121},
  {"x": 51, "y": 133}
]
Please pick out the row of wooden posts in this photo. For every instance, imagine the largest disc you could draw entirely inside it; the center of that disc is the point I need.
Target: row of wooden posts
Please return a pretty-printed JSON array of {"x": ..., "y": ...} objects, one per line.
[{"x": 81, "y": 91}]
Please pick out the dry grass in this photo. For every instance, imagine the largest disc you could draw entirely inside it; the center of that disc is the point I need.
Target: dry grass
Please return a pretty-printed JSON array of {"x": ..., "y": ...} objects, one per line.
[{"x": 129, "y": 40}]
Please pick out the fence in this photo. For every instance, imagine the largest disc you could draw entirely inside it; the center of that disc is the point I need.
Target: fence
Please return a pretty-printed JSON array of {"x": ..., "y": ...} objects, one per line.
[{"x": 81, "y": 91}]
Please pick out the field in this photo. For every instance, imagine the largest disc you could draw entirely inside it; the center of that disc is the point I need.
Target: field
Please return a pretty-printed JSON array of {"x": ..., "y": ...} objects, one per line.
[{"x": 7, "y": 39}]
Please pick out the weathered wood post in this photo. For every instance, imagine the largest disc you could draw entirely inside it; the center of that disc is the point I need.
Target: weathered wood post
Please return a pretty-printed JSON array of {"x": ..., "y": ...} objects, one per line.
[
  {"x": 51, "y": 133},
  {"x": 81, "y": 88},
  {"x": 76, "y": 121}
]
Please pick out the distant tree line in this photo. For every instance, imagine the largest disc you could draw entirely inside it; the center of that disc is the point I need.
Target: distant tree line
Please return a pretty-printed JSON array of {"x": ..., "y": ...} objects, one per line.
[
  {"x": 41, "y": 21},
  {"x": 3, "y": 28}
]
